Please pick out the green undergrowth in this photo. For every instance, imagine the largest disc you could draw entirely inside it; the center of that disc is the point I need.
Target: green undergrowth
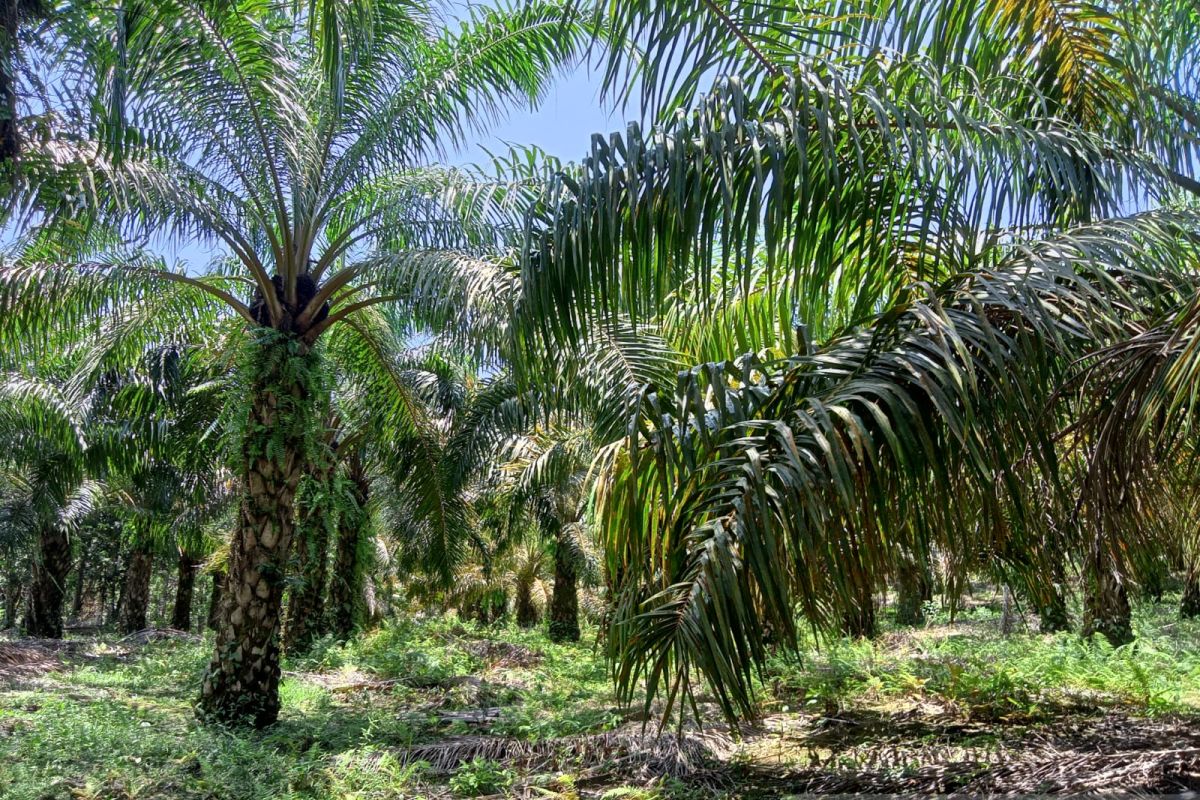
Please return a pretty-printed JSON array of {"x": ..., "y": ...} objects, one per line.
[
  {"x": 116, "y": 722},
  {"x": 543, "y": 690},
  {"x": 972, "y": 669}
]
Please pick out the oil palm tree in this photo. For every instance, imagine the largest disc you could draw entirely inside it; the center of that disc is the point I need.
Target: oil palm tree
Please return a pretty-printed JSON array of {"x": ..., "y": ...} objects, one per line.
[
  {"x": 936, "y": 201},
  {"x": 318, "y": 188},
  {"x": 318, "y": 509},
  {"x": 534, "y": 480},
  {"x": 547, "y": 474},
  {"x": 391, "y": 413},
  {"x": 53, "y": 453},
  {"x": 16, "y": 524},
  {"x": 15, "y": 19},
  {"x": 171, "y": 494},
  {"x": 1137, "y": 438}
]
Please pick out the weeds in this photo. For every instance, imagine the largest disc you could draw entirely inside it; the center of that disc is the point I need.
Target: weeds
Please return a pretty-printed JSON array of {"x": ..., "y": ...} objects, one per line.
[
  {"x": 994, "y": 677},
  {"x": 119, "y": 723},
  {"x": 481, "y": 776},
  {"x": 116, "y": 722}
]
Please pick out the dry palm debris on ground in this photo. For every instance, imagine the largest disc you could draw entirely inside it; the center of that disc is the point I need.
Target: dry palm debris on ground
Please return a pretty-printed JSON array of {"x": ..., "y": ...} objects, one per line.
[
  {"x": 877, "y": 755},
  {"x": 24, "y": 658}
]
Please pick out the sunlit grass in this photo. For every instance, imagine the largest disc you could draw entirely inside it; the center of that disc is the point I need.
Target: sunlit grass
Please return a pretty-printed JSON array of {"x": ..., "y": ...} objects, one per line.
[
  {"x": 119, "y": 723},
  {"x": 991, "y": 676}
]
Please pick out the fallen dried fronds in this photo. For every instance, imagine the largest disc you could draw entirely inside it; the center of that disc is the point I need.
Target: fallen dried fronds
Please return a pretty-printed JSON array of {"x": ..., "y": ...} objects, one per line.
[
  {"x": 1109, "y": 754},
  {"x": 28, "y": 657},
  {"x": 632, "y": 756},
  {"x": 147, "y": 635}
]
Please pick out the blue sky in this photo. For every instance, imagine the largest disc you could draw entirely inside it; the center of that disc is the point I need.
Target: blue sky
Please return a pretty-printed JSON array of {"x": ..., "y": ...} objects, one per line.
[{"x": 562, "y": 125}]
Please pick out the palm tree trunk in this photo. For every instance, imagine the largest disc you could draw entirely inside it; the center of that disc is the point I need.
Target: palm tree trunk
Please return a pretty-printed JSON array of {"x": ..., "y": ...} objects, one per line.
[
  {"x": 80, "y": 576},
  {"x": 527, "y": 613},
  {"x": 344, "y": 586},
  {"x": 345, "y": 589},
  {"x": 306, "y": 606},
  {"x": 914, "y": 588},
  {"x": 242, "y": 682},
  {"x": 1189, "y": 606},
  {"x": 1050, "y": 599},
  {"x": 564, "y": 600},
  {"x": 185, "y": 587},
  {"x": 858, "y": 621},
  {"x": 164, "y": 597},
  {"x": 135, "y": 600},
  {"x": 12, "y": 596},
  {"x": 214, "y": 601},
  {"x": 1052, "y": 612},
  {"x": 1106, "y": 609},
  {"x": 1008, "y": 612},
  {"x": 111, "y": 584},
  {"x": 45, "y": 614}
]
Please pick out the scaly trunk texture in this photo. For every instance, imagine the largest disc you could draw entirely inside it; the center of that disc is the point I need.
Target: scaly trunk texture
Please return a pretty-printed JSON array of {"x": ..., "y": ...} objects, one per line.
[
  {"x": 345, "y": 588},
  {"x": 858, "y": 621},
  {"x": 564, "y": 600},
  {"x": 1189, "y": 607},
  {"x": 1052, "y": 613},
  {"x": 214, "y": 602},
  {"x": 306, "y": 605},
  {"x": 1106, "y": 608},
  {"x": 185, "y": 587},
  {"x": 80, "y": 578},
  {"x": 527, "y": 612},
  {"x": 44, "y": 616},
  {"x": 1009, "y": 618},
  {"x": 12, "y": 597},
  {"x": 242, "y": 682},
  {"x": 136, "y": 597},
  {"x": 346, "y": 585},
  {"x": 914, "y": 588}
]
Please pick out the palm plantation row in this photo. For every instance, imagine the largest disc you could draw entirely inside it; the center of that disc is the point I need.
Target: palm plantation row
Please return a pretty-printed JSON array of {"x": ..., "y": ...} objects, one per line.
[{"x": 906, "y": 284}]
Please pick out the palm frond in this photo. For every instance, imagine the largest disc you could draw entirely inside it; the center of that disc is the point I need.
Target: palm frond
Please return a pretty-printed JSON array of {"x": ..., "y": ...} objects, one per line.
[
  {"x": 862, "y": 185},
  {"x": 762, "y": 487}
]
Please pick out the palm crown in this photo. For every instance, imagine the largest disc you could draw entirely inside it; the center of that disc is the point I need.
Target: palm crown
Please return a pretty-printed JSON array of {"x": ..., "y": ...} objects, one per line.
[{"x": 312, "y": 183}]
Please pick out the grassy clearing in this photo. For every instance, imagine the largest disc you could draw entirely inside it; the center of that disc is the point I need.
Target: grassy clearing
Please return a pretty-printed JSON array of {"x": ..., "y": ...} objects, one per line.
[
  {"x": 119, "y": 724},
  {"x": 115, "y": 721},
  {"x": 970, "y": 668}
]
